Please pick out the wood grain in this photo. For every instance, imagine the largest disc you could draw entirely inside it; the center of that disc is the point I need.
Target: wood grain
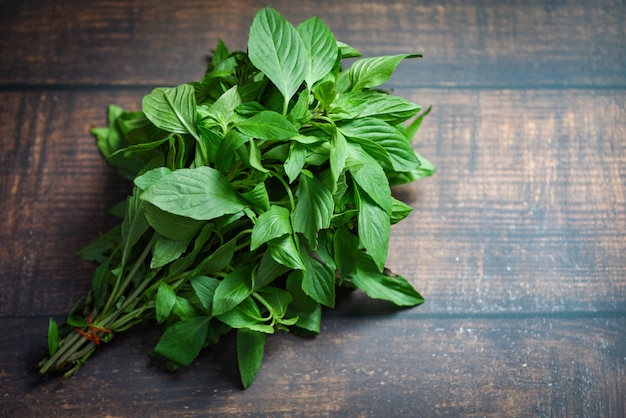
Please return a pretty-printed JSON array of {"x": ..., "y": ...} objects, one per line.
[
  {"x": 527, "y": 212},
  {"x": 518, "y": 43},
  {"x": 358, "y": 367},
  {"x": 517, "y": 243}
]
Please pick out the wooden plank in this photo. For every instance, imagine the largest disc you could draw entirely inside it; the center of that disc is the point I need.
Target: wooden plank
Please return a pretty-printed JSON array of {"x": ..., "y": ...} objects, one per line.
[
  {"x": 528, "y": 205},
  {"x": 464, "y": 43},
  {"x": 527, "y": 212},
  {"x": 55, "y": 190},
  {"x": 358, "y": 366}
]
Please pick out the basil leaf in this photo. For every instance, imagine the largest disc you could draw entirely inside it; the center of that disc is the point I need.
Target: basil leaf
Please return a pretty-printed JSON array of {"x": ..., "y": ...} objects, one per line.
[
  {"x": 338, "y": 156},
  {"x": 314, "y": 208},
  {"x": 346, "y": 250},
  {"x": 182, "y": 341},
  {"x": 258, "y": 197},
  {"x": 246, "y": 315},
  {"x": 347, "y": 51},
  {"x": 204, "y": 287},
  {"x": 201, "y": 193},
  {"x": 401, "y": 154},
  {"x": 284, "y": 251},
  {"x": 250, "y": 347},
  {"x": 371, "y": 72},
  {"x": 174, "y": 227},
  {"x": 166, "y": 250},
  {"x": 228, "y": 148},
  {"x": 223, "y": 110},
  {"x": 172, "y": 109},
  {"x": 275, "y": 48},
  {"x": 399, "y": 211},
  {"x": 321, "y": 48},
  {"x": 134, "y": 224},
  {"x": 218, "y": 260},
  {"x": 273, "y": 223},
  {"x": 296, "y": 160},
  {"x": 374, "y": 228},
  {"x": 267, "y": 125},
  {"x": 369, "y": 175},
  {"x": 164, "y": 302},
  {"x": 150, "y": 177},
  {"x": 379, "y": 285},
  {"x": 53, "y": 337},
  {"x": 99, "y": 249},
  {"x": 318, "y": 280},
  {"x": 233, "y": 290},
  {"x": 360, "y": 104},
  {"x": 308, "y": 311}
]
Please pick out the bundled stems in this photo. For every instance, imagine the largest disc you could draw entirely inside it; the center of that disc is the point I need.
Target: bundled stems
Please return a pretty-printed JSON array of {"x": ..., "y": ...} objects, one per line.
[
  {"x": 258, "y": 190},
  {"x": 77, "y": 346}
]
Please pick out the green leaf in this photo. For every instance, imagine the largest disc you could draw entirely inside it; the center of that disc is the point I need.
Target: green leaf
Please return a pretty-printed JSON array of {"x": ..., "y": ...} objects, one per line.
[
  {"x": 100, "y": 283},
  {"x": 267, "y": 271},
  {"x": 99, "y": 249},
  {"x": 321, "y": 49},
  {"x": 150, "y": 177},
  {"x": 276, "y": 300},
  {"x": 338, "y": 156},
  {"x": 369, "y": 175},
  {"x": 174, "y": 227},
  {"x": 308, "y": 311},
  {"x": 233, "y": 290},
  {"x": 246, "y": 315},
  {"x": 204, "y": 287},
  {"x": 296, "y": 160},
  {"x": 401, "y": 154},
  {"x": 250, "y": 347},
  {"x": 374, "y": 228},
  {"x": 271, "y": 224},
  {"x": 166, "y": 250},
  {"x": 425, "y": 169},
  {"x": 223, "y": 110},
  {"x": 201, "y": 193},
  {"x": 111, "y": 139},
  {"x": 414, "y": 126},
  {"x": 228, "y": 149},
  {"x": 267, "y": 125},
  {"x": 346, "y": 250},
  {"x": 386, "y": 107},
  {"x": 134, "y": 224},
  {"x": 371, "y": 72},
  {"x": 379, "y": 285},
  {"x": 255, "y": 157},
  {"x": 172, "y": 109},
  {"x": 318, "y": 281},
  {"x": 182, "y": 341},
  {"x": 164, "y": 302},
  {"x": 314, "y": 208},
  {"x": 284, "y": 251},
  {"x": 53, "y": 337},
  {"x": 399, "y": 211},
  {"x": 258, "y": 197},
  {"x": 219, "y": 259},
  {"x": 300, "y": 113},
  {"x": 275, "y": 48},
  {"x": 347, "y": 51}
]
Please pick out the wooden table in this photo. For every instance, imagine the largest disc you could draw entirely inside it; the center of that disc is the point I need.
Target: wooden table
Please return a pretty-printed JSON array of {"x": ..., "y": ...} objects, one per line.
[{"x": 518, "y": 242}]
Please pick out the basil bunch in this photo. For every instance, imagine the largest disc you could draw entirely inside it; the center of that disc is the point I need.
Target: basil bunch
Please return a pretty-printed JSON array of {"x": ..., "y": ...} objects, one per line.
[{"x": 257, "y": 191}]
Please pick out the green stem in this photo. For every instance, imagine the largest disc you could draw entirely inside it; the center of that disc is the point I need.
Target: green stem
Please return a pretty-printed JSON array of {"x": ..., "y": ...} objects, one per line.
[
  {"x": 75, "y": 348},
  {"x": 119, "y": 291}
]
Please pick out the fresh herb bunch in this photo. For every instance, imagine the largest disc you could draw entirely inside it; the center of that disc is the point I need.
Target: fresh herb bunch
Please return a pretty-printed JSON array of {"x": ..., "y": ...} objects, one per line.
[{"x": 257, "y": 191}]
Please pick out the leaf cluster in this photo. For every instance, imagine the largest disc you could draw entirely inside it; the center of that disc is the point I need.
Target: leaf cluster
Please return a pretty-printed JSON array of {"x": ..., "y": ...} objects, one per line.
[{"x": 257, "y": 190}]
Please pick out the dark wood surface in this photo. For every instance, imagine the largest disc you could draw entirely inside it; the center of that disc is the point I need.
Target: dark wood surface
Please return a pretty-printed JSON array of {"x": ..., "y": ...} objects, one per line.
[{"x": 518, "y": 242}]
